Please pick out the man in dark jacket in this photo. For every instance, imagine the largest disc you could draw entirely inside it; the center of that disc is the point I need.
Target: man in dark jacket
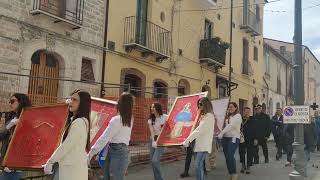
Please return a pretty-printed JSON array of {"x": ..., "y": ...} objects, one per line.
[
  {"x": 263, "y": 131},
  {"x": 246, "y": 147},
  {"x": 288, "y": 134},
  {"x": 277, "y": 131},
  {"x": 310, "y": 138}
]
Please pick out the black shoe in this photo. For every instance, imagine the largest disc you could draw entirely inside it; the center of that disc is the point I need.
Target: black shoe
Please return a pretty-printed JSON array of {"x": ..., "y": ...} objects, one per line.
[
  {"x": 278, "y": 157},
  {"x": 256, "y": 162},
  {"x": 248, "y": 170},
  {"x": 266, "y": 161},
  {"x": 243, "y": 168},
  {"x": 183, "y": 175}
]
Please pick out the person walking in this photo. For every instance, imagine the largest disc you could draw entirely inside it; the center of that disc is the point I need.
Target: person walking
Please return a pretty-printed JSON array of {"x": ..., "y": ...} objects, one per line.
[
  {"x": 310, "y": 138},
  {"x": 277, "y": 131},
  {"x": 247, "y": 137},
  {"x": 203, "y": 135},
  {"x": 288, "y": 134},
  {"x": 71, "y": 154},
  {"x": 17, "y": 103},
  {"x": 117, "y": 134},
  {"x": 263, "y": 129},
  {"x": 156, "y": 122},
  {"x": 230, "y": 136},
  {"x": 317, "y": 123}
]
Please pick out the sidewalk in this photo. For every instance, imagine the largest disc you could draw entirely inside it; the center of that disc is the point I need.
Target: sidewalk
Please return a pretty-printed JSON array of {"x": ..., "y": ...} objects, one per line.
[{"x": 275, "y": 170}]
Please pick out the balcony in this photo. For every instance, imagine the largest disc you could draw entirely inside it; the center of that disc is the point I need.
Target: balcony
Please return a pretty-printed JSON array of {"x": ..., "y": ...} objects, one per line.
[
  {"x": 147, "y": 38},
  {"x": 212, "y": 53},
  {"x": 251, "y": 23},
  {"x": 66, "y": 11}
]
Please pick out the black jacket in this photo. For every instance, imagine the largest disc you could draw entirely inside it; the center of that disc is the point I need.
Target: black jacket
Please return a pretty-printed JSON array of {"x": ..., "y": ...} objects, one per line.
[
  {"x": 263, "y": 125},
  {"x": 6, "y": 135},
  {"x": 277, "y": 126},
  {"x": 288, "y": 133},
  {"x": 310, "y": 134},
  {"x": 248, "y": 128}
]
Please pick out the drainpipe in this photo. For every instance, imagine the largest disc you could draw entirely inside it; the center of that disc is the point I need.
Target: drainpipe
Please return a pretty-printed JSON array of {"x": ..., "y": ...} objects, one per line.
[
  {"x": 265, "y": 81},
  {"x": 104, "y": 54}
]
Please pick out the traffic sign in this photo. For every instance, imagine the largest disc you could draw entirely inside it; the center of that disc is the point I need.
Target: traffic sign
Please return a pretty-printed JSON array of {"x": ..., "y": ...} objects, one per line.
[{"x": 296, "y": 115}]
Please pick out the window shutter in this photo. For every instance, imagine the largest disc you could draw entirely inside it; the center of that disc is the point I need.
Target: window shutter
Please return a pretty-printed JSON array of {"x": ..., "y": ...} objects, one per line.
[{"x": 87, "y": 70}]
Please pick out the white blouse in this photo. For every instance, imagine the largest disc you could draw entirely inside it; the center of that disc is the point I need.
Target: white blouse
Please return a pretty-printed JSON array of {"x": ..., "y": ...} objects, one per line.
[
  {"x": 233, "y": 127},
  {"x": 114, "y": 133},
  {"x": 158, "y": 123}
]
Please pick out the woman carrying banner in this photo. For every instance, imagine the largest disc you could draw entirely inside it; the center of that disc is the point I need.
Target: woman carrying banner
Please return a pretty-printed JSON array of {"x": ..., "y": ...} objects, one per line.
[
  {"x": 156, "y": 122},
  {"x": 203, "y": 135},
  {"x": 230, "y": 136},
  {"x": 117, "y": 134},
  {"x": 71, "y": 155},
  {"x": 17, "y": 103}
]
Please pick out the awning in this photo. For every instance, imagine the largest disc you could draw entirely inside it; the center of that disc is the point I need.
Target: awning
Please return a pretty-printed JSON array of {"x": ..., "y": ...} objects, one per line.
[{"x": 224, "y": 81}]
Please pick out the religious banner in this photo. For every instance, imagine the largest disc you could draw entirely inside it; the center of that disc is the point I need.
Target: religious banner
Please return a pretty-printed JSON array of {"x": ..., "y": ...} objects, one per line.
[
  {"x": 102, "y": 111},
  {"x": 181, "y": 120},
  {"x": 220, "y": 107},
  {"x": 36, "y": 137}
]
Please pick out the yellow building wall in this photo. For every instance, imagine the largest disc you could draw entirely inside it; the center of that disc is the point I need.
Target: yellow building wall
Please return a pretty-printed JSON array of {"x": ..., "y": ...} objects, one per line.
[{"x": 187, "y": 30}]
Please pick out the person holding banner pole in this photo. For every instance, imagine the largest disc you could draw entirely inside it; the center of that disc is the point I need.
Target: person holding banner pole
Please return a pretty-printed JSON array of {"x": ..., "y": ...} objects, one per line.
[
  {"x": 17, "y": 102},
  {"x": 70, "y": 156},
  {"x": 230, "y": 136},
  {"x": 203, "y": 135},
  {"x": 156, "y": 122},
  {"x": 117, "y": 134}
]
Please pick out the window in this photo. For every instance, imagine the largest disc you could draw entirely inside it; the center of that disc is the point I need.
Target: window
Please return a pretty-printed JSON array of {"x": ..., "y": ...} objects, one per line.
[
  {"x": 87, "y": 70},
  {"x": 222, "y": 91},
  {"x": 208, "y": 27},
  {"x": 267, "y": 61},
  {"x": 245, "y": 57},
  {"x": 255, "y": 53},
  {"x": 242, "y": 105},
  {"x": 160, "y": 90},
  {"x": 258, "y": 12}
]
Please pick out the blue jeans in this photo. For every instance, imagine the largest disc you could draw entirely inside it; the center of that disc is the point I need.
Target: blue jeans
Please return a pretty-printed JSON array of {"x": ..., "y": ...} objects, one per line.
[
  {"x": 116, "y": 161},
  {"x": 155, "y": 154},
  {"x": 229, "y": 149},
  {"x": 10, "y": 176},
  {"x": 200, "y": 157}
]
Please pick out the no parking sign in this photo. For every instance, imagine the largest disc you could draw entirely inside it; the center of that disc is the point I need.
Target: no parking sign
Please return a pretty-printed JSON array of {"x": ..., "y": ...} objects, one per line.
[{"x": 296, "y": 115}]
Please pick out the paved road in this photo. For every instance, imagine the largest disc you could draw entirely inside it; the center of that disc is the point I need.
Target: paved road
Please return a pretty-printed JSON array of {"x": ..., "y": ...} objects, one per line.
[{"x": 275, "y": 170}]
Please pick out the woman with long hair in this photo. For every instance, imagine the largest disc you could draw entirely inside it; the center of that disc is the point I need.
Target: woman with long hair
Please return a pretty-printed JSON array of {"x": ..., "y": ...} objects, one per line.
[
  {"x": 230, "y": 136},
  {"x": 156, "y": 122},
  {"x": 117, "y": 134},
  {"x": 17, "y": 103},
  {"x": 203, "y": 135},
  {"x": 71, "y": 155}
]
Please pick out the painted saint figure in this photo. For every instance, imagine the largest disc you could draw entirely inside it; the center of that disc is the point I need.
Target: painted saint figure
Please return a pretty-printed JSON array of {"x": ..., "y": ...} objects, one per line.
[{"x": 181, "y": 120}]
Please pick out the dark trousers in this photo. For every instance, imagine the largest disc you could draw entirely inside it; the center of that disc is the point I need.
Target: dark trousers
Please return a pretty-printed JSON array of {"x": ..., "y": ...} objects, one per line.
[
  {"x": 188, "y": 160},
  {"x": 263, "y": 144},
  {"x": 279, "y": 144},
  {"x": 289, "y": 150},
  {"x": 246, "y": 150}
]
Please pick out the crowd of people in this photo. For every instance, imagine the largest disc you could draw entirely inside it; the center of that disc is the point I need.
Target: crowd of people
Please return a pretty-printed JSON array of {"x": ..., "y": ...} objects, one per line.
[{"x": 245, "y": 132}]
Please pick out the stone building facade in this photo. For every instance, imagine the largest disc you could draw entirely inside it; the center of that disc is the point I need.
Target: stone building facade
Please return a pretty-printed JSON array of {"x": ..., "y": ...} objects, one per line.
[{"x": 52, "y": 38}]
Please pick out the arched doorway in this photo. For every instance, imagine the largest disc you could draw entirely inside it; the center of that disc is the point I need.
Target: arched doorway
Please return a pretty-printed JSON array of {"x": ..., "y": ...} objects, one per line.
[
  {"x": 43, "y": 91},
  {"x": 160, "y": 89},
  {"x": 135, "y": 84},
  {"x": 183, "y": 87},
  {"x": 208, "y": 89}
]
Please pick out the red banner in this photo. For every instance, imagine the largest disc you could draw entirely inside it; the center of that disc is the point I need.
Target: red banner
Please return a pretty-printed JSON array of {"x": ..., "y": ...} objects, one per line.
[
  {"x": 181, "y": 120},
  {"x": 101, "y": 113},
  {"x": 36, "y": 137}
]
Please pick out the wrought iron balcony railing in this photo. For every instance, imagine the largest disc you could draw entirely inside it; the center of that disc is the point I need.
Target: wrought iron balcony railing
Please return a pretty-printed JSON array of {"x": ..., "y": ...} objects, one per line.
[
  {"x": 251, "y": 23},
  {"x": 147, "y": 37},
  {"x": 212, "y": 53},
  {"x": 68, "y": 11}
]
